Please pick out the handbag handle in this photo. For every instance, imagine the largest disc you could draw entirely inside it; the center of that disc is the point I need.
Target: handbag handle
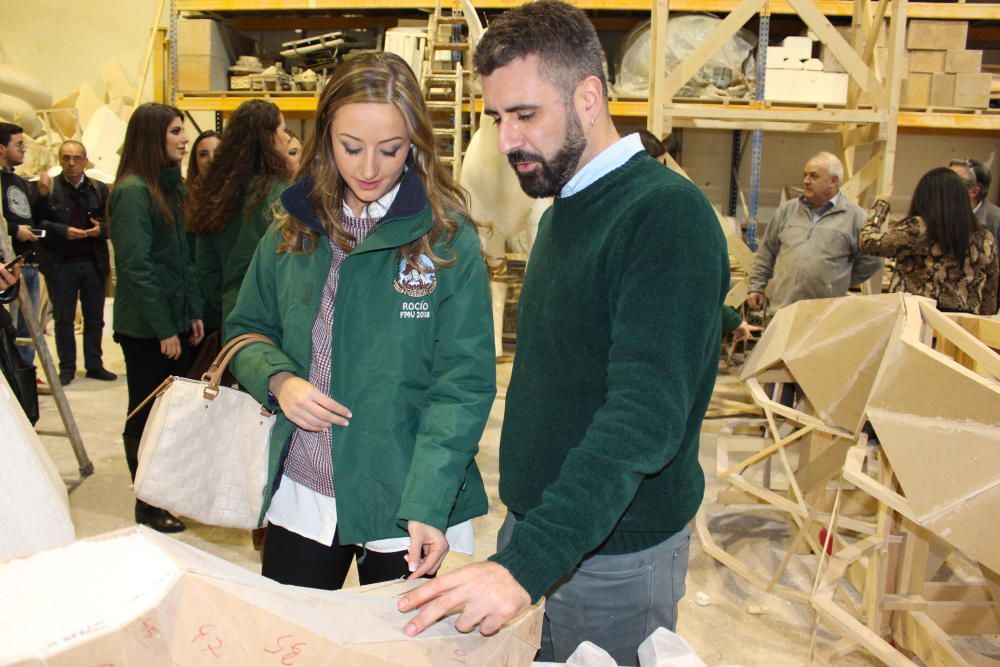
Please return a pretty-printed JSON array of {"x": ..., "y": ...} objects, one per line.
[
  {"x": 213, "y": 376},
  {"x": 215, "y": 372}
]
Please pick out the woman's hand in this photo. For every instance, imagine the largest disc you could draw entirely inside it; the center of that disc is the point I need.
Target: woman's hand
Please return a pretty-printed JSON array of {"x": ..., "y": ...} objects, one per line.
[
  {"x": 428, "y": 547},
  {"x": 197, "y": 332},
  {"x": 9, "y": 278},
  {"x": 305, "y": 405},
  {"x": 745, "y": 331},
  {"x": 885, "y": 196},
  {"x": 171, "y": 347}
]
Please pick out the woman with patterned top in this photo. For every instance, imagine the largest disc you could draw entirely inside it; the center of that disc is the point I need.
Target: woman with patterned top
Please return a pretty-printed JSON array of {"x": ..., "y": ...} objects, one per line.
[
  {"x": 374, "y": 290},
  {"x": 940, "y": 249}
]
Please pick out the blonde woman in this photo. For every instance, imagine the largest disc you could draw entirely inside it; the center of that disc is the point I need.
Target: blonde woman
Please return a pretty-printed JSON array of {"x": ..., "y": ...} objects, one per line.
[{"x": 374, "y": 290}]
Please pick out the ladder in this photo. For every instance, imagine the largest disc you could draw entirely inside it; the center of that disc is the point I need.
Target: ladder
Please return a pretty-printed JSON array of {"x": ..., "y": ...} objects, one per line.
[
  {"x": 71, "y": 432},
  {"x": 447, "y": 83}
]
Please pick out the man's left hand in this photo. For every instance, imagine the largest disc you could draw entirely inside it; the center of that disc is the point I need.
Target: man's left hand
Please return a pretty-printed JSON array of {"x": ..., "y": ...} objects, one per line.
[{"x": 485, "y": 594}]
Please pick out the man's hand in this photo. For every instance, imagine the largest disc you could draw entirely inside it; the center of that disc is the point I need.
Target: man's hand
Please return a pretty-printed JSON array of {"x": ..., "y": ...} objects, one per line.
[
  {"x": 305, "y": 405},
  {"x": 95, "y": 228},
  {"x": 428, "y": 547},
  {"x": 25, "y": 234},
  {"x": 755, "y": 300},
  {"x": 171, "y": 347},
  {"x": 75, "y": 233},
  {"x": 44, "y": 184},
  {"x": 485, "y": 594},
  {"x": 744, "y": 331}
]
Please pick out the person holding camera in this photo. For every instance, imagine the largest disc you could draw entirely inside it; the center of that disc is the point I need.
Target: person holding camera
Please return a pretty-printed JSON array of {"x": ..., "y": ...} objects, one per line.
[
  {"x": 17, "y": 210},
  {"x": 73, "y": 256}
]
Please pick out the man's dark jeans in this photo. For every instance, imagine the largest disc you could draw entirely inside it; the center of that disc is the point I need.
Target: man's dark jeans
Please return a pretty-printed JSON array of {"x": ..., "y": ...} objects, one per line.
[{"x": 67, "y": 283}]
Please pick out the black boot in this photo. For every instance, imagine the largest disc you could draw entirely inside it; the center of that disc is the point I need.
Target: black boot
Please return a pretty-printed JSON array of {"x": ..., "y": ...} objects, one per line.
[
  {"x": 131, "y": 453},
  {"x": 158, "y": 519}
]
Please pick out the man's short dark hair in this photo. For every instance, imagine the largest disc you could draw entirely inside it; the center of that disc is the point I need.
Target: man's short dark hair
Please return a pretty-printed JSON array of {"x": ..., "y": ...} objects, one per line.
[
  {"x": 979, "y": 172},
  {"x": 8, "y": 130},
  {"x": 560, "y": 34}
]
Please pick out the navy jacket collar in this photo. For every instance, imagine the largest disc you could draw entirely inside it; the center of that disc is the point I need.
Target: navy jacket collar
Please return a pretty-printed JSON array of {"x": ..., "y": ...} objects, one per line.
[{"x": 410, "y": 200}]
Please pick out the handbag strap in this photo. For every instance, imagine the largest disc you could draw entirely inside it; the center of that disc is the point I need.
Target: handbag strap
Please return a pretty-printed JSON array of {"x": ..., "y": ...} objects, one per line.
[
  {"x": 215, "y": 372},
  {"x": 213, "y": 376}
]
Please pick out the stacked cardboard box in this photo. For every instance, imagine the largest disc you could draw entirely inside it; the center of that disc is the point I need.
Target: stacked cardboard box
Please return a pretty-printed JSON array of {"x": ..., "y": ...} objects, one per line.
[{"x": 941, "y": 72}]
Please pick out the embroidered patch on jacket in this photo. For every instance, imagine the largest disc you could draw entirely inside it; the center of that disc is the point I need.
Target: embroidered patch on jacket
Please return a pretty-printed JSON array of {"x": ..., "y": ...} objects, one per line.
[
  {"x": 416, "y": 282},
  {"x": 18, "y": 203}
]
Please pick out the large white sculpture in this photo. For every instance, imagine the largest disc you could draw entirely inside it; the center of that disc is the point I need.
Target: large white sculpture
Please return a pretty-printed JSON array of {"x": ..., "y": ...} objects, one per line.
[
  {"x": 498, "y": 202},
  {"x": 34, "y": 507},
  {"x": 135, "y": 598}
]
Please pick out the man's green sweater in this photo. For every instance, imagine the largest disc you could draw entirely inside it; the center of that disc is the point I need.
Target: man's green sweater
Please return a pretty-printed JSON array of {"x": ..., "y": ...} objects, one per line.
[{"x": 617, "y": 351}]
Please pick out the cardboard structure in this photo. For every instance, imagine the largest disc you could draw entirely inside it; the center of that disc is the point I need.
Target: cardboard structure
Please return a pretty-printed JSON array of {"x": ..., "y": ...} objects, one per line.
[
  {"x": 34, "y": 508},
  {"x": 893, "y": 511},
  {"x": 135, "y": 597}
]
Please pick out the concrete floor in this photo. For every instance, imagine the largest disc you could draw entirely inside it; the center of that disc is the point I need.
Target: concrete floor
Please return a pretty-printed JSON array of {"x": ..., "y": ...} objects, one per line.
[{"x": 723, "y": 632}]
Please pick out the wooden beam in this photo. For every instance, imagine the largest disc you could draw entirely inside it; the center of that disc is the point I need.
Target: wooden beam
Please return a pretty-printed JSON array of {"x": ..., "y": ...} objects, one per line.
[
  {"x": 965, "y": 341},
  {"x": 962, "y": 11},
  {"x": 782, "y": 114},
  {"x": 863, "y": 178},
  {"x": 657, "y": 66}
]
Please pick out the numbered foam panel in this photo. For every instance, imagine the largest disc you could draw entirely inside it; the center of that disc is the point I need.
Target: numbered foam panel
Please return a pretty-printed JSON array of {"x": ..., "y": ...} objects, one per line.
[{"x": 138, "y": 598}]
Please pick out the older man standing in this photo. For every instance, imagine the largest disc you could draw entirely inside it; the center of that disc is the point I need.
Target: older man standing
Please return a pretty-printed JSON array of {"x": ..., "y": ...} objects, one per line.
[
  {"x": 810, "y": 248},
  {"x": 977, "y": 179},
  {"x": 616, "y": 358},
  {"x": 74, "y": 259}
]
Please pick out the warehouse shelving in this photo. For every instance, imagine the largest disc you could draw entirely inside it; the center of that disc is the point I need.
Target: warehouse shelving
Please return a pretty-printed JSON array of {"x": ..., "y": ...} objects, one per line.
[{"x": 918, "y": 10}]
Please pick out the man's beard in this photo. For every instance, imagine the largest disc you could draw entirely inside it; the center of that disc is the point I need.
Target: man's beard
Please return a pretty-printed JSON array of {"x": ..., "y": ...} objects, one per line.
[{"x": 550, "y": 176}]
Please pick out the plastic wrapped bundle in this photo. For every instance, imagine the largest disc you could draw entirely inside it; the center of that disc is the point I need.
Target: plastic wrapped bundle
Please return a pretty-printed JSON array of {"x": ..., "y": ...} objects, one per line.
[{"x": 726, "y": 74}]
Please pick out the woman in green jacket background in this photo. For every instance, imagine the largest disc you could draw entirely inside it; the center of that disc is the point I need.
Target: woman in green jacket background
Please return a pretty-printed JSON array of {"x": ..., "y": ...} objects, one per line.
[
  {"x": 374, "y": 290},
  {"x": 230, "y": 209},
  {"x": 157, "y": 308}
]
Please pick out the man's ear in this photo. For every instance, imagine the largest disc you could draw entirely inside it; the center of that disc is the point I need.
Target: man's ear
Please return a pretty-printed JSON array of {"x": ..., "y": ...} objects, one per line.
[{"x": 590, "y": 99}]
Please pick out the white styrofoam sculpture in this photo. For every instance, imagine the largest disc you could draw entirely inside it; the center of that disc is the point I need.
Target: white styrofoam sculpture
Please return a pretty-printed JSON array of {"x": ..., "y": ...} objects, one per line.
[
  {"x": 498, "y": 202},
  {"x": 135, "y": 598},
  {"x": 34, "y": 507},
  {"x": 104, "y": 135}
]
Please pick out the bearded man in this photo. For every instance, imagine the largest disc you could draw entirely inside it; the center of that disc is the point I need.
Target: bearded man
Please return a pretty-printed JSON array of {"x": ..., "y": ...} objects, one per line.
[{"x": 616, "y": 359}]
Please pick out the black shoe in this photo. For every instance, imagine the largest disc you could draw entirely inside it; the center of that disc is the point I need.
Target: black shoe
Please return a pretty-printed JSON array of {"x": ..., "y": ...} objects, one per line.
[
  {"x": 65, "y": 377},
  {"x": 158, "y": 519},
  {"x": 102, "y": 374}
]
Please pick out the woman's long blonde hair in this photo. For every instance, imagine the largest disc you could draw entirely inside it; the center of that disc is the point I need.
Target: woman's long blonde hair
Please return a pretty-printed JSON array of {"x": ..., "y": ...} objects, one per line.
[{"x": 379, "y": 78}]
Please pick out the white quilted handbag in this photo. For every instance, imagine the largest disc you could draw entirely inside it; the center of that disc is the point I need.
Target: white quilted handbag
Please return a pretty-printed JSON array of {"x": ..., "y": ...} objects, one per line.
[{"x": 204, "y": 450}]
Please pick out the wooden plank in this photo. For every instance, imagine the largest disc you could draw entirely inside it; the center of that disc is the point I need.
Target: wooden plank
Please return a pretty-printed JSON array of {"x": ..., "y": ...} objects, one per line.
[
  {"x": 657, "y": 66},
  {"x": 780, "y": 114},
  {"x": 864, "y": 178},
  {"x": 712, "y": 548},
  {"x": 988, "y": 360},
  {"x": 841, "y": 50},
  {"x": 764, "y": 453},
  {"x": 930, "y": 643},
  {"x": 961, "y": 10},
  {"x": 895, "y": 64}
]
